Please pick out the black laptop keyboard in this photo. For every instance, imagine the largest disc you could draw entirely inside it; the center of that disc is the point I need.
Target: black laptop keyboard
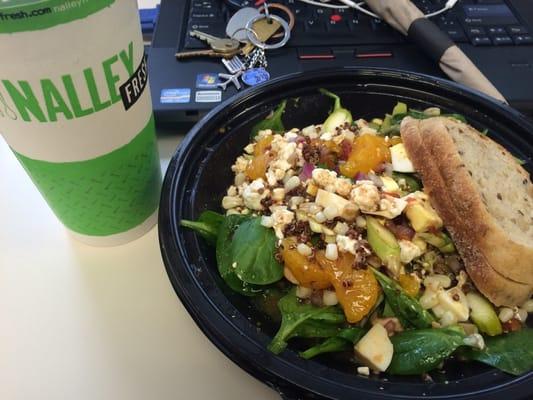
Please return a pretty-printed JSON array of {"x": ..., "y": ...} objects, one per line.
[{"x": 479, "y": 22}]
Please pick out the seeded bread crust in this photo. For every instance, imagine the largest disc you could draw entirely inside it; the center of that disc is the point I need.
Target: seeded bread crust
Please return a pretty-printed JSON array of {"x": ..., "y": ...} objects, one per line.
[{"x": 458, "y": 201}]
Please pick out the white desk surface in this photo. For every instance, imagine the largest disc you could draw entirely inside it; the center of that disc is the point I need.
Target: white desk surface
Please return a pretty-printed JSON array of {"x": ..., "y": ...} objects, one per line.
[{"x": 85, "y": 323}]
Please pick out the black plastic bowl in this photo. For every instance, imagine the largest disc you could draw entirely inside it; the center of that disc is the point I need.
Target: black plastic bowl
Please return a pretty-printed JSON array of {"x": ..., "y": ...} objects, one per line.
[{"x": 199, "y": 174}]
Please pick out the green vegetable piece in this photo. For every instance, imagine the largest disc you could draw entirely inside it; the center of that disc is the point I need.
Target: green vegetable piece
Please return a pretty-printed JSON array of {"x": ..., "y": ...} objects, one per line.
[
  {"x": 225, "y": 259},
  {"x": 206, "y": 226},
  {"x": 412, "y": 184},
  {"x": 406, "y": 308},
  {"x": 399, "y": 108},
  {"x": 420, "y": 351},
  {"x": 294, "y": 313},
  {"x": 441, "y": 241},
  {"x": 273, "y": 122},
  {"x": 373, "y": 126},
  {"x": 338, "y": 116},
  {"x": 253, "y": 253},
  {"x": 511, "y": 352},
  {"x": 382, "y": 241},
  {"x": 483, "y": 315},
  {"x": 343, "y": 341},
  {"x": 387, "y": 311}
]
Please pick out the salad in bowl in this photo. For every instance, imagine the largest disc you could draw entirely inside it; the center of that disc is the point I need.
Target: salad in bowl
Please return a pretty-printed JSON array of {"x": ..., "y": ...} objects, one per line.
[{"x": 341, "y": 224}]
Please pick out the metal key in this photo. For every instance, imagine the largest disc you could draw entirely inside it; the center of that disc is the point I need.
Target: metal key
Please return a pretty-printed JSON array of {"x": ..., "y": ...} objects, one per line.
[
  {"x": 206, "y": 53},
  {"x": 264, "y": 31},
  {"x": 219, "y": 45}
]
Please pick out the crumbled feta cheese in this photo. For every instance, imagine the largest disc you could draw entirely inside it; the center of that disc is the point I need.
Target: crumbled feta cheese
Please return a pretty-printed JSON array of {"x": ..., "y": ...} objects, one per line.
[
  {"x": 250, "y": 148},
  {"x": 324, "y": 177},
  {"x": 341, "y": 228},
  {"x": 346, "y": 244},
  {"x": 310, "y": 131},
  {"x": 232, "y": 191},
  {"x": 292, "y": 183},
  {"x": 390, "y": 207},
  {"x": 278, "y": 194},
  {"x": 241, "y": 163},
  {"x": 267, "y": 221},
  {"x": 263, "y": 133},
  {"x": 281, "y": 217},
  {"x": 287, "y": 152},
  {"x": 343, "y": 186},
  {"x": 254, "y": 193},
  {"x": 408, "y": 251},
  {"x": 295, "y": 201},
  {"x": 280, "y": 164},
  {"x": 453, "y": 301},
  {"x": 240, "y": 178},
  {"x": 290, "y": 135},
  {"x": 366, "y": 196},
  {"x": 475, "y": 340},
  {"x": 229, "y": 202}
]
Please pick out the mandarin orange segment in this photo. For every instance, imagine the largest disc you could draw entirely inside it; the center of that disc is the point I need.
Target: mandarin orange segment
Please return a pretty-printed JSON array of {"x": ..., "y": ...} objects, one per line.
[
  {"x": 368, "y": 151},
  {"x": 356, "y": 289},
  {"x": 410, "y": 284},
  {"x": 306, "y": 270},
  {"x": 263, "y": 144},
  {"x": 258, "y": 167}
]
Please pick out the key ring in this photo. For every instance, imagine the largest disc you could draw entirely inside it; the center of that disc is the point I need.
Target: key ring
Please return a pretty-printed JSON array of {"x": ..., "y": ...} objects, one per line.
[
  {"x": 262, "y": 45},
  {"x": 283, "y": 8},
  {"x": 267, "y": 12},
  {"x": 248, "y": 30}
]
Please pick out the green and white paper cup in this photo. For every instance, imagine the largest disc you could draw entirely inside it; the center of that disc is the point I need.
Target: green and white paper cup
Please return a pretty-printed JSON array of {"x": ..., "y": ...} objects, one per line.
[{"x": 75, "y": 109}]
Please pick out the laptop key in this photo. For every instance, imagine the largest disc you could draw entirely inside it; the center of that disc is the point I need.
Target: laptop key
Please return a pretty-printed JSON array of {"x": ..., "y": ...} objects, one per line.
[
  {"x": 497, "y": 31},
  {"x": 481, "y": 41},
  {"x": 523, "y": 39},
  {"x": 476, "y": 31},
  {"x": 502, "y": 40},
  {"x": 516, "y": 30}
]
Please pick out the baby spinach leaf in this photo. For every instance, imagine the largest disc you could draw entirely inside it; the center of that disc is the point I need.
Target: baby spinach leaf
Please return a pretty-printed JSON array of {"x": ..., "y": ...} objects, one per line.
[
  {"x": 511, "y": 352},
  {"x": 273, "y": 122},
  {"x": 407, "y": 309},
  {"x": 206, "y": 226},
  {"x": 294, "y": 313},
  {"x": 225, "y": 259},
  {"x": 253, "y": 253},
  {"x": 343, "y": 341},
  {"x": 420, "y": 351},
  {"x": 315, "y": 329}
]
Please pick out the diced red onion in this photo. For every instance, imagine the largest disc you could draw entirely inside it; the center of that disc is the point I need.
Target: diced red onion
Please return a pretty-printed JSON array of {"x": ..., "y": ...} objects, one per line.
[
  {"x": 307, "y": 171},
  {"x": 361, "y": 176}
]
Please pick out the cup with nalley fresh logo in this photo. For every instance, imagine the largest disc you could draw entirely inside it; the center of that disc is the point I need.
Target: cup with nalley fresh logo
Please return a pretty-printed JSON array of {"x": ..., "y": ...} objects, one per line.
[{"x": 75, "y": 109}]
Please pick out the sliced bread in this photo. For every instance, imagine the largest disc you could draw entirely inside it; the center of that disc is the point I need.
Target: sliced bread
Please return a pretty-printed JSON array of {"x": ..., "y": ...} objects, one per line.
[{"x": 480, "y": 191}]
